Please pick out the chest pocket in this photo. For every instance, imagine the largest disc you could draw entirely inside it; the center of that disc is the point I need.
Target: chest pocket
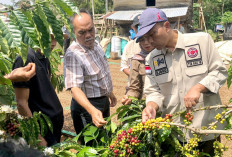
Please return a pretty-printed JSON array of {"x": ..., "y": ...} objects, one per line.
[
  {"x": 93, "y": 73},
  {"x": 165, "y": 83},
  {"x": 197, "y": 72}
]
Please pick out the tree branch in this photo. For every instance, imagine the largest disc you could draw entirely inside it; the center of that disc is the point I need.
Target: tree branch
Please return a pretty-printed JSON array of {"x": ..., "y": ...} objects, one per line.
[{"x": 200, "y": 131}]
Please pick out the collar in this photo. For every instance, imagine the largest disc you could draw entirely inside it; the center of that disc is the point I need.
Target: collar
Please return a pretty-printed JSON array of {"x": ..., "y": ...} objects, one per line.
[
  {"x": 39, "y": 55},
  {"x": 179, "y": 44},
  {"x": 84, "y": 49},
  {"x": 180, "y": 41}
]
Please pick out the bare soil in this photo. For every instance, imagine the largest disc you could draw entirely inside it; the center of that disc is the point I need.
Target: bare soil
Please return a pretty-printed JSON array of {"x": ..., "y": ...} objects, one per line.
[{"x": 119, "y": 83}]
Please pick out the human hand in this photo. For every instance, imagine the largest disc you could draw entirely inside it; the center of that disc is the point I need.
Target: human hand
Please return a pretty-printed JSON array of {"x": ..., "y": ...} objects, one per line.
[
  {"x": 97, "y": 118},
  {"x": 43, "y": 142},
  {"x": 22, "y": 74},
  {"x": 149, "y": 112},
  {"x": 192, "y": 97},
  {"x": 113, "y": 100},
  {"x": 126, "y": 100}
]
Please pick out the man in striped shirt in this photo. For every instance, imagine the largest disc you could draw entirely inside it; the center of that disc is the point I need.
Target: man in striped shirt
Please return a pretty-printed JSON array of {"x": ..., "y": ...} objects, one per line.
[{"x": 87, "y": 75}]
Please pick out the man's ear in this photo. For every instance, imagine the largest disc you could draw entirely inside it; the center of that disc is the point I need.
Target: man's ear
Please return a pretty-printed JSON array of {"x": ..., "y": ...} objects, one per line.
[{"x": 167, "y": 25}]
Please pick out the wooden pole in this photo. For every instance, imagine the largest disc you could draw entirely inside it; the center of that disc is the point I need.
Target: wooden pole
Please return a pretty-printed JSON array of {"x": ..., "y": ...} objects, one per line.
[
  {"x": 93, "y": 8},
  {"x": 223, "y": 3},
  {"x": 178, "y": 23},
  {"x": 106, "y": 6},
  {"x": 200, "y": 15}
]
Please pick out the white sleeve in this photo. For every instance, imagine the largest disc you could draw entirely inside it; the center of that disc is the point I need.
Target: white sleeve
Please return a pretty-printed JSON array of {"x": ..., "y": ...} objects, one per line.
[{"x": 217, "y": 73}]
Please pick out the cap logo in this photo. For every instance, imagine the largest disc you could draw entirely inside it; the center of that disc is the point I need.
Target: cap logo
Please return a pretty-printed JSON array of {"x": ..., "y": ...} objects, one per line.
[{"x": 159, "y": 18}]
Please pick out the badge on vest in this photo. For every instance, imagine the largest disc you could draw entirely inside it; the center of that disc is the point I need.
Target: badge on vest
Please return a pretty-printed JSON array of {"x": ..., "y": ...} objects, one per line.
[
  {"x": 160, "y": 65},
  {"x": 193, "y": 55}
]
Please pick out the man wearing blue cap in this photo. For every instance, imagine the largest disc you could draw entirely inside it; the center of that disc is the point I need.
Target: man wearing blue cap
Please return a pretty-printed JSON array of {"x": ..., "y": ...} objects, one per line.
[{"x": 186, "y": 73}]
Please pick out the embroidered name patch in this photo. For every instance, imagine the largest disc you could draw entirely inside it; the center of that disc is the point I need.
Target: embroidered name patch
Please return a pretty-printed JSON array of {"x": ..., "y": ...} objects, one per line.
[
  {"x": 148, "y": 70},
  {"x": 160, "y": 65},
  {"x": 193, "y": 55}
]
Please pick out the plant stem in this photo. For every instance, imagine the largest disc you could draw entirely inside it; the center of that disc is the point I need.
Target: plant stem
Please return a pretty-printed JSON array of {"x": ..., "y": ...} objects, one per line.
[{"x": 200, "y": 131}]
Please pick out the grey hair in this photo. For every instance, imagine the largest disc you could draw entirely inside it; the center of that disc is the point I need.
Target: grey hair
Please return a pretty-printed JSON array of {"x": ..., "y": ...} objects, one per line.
[{"x": 81, "y": 11}]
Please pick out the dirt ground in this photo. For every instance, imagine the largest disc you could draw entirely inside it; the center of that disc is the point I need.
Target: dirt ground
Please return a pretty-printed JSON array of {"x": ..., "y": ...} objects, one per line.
[{"x": 119, "y": 83}]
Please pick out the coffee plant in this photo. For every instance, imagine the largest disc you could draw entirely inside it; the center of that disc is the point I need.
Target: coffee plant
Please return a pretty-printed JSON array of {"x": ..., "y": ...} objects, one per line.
[
  {"x": 29, "y": 26},
  {"x": 152, "y": 138},
  {"x": 14, "y": 126}
]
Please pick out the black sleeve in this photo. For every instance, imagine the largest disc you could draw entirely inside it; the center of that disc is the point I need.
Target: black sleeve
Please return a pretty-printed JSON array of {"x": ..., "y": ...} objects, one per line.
[
  {"x": 17, "y": 64},
  {"x": 66, "y": 44}
]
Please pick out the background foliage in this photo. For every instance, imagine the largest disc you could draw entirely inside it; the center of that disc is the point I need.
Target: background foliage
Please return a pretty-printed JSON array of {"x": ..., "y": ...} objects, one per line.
[{"x": 213, "y": 12}]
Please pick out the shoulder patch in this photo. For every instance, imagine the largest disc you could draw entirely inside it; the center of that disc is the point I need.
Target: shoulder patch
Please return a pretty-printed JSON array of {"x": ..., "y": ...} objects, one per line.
[
  {"x": 148, "y": 70},
  {"x": 160, "y": 65}
]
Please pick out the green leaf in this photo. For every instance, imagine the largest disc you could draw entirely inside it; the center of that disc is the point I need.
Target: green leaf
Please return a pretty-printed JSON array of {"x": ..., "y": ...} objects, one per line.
[
  {"x": 65, "y": 19},
  {"x": 24, "y": 51},
  {"x": 3, "y": 45},
  {"x": 109, "y": 118},
  {"x": 229, "y": 122},
  {"x": 75, "y": 139},
  {"x": 3, "y": 66},
  {"x": 43, "y": 127},
  {"x": 55, "y": 25},
  {"x": 113, "y": 127},
  {"x": 163, "y": 134},
  {"x": 5, "y": 99},
  {"x": 67, "y": 6},
  {"x": 108, "y": 127},
  {"x": 10, "y": 32},
  {"x": 177, "y": 131},
  {"x": 103, "y": 139},
  {"x": 28, "y": 14},
  {"x": 27, "y": 27},
  {"x": 66, "y": 153},
  {"x": 203, "y": 154},
  {"x": 123, "y": 108},
  {"x": 2, "y": 116},
  {"x": 90, "y": 131},
  {"x": 36, "y": 124},
  {"x": 122, "y": 114},
  {"x": 143, "y": 154},
  {"x": 230, "y": 100},
  {"x": 89, "y": 151},
  {"x": 130, "y": 118},
  {"x": 48, "y": 121},
  {"x": 4, "y": 81},
  {"x": 229, "y": 79},
  {"x": 43, "y": 35},
  {"x": 88, "y": 138},
  {"x": 24, "y": 129},
  {"x": 32, "y": 129}
]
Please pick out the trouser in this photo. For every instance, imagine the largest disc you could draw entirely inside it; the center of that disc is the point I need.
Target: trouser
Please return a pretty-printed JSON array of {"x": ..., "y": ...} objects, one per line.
[
  {"x": 53, "y": 138},
  {"x": 207, "y": 146},
  {"x": 81, "y": 117}
]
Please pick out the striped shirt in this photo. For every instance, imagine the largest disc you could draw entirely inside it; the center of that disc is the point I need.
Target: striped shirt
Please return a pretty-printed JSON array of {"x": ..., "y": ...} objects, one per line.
[{"x": 88, "y": 70}]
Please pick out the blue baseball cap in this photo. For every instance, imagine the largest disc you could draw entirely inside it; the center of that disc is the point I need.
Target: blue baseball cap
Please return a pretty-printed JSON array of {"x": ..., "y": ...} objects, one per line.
[{"x": 148, "y": 19}]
